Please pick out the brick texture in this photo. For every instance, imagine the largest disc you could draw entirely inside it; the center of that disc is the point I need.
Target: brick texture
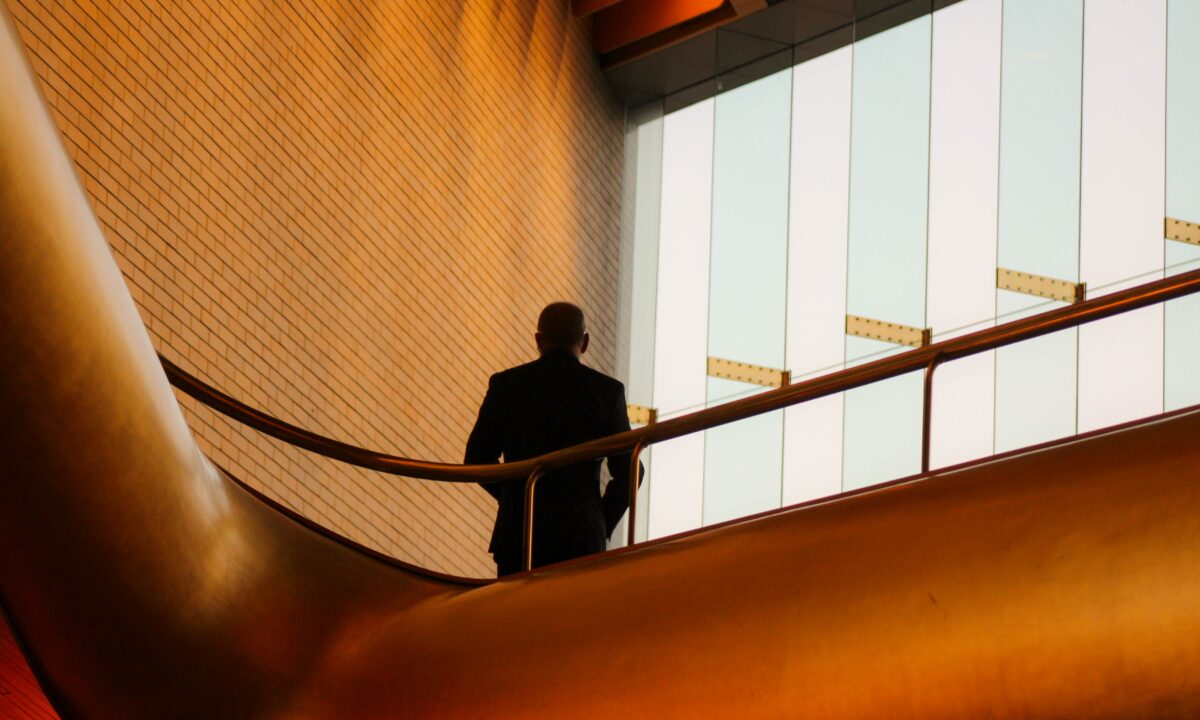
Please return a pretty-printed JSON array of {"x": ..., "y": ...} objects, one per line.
[{"x": 347, "y": 214}]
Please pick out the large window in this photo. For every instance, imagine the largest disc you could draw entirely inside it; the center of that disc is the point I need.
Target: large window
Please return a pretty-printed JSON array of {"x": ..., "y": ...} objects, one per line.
[{"x": 991, "y": 159}]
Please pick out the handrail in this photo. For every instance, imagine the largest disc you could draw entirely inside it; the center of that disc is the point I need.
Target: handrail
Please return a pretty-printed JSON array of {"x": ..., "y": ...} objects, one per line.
[{"x": 926, "y": 358}]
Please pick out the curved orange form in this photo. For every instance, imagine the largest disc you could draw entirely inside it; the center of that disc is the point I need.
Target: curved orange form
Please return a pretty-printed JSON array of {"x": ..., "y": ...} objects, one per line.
[{"x": 144, "y": 584}]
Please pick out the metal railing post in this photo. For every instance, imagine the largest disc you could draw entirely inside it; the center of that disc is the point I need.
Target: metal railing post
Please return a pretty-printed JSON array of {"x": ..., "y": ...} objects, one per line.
[
  {"x": 527, "y": 545},
  {"x": 927, "y": 414},
  {"x": 634, "y": 477}
]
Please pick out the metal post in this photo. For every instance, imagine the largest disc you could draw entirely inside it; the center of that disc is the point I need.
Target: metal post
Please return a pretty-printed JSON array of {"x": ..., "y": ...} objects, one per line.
[
  {"x": 927, "y": 415},
  {"x": 527, "y": 548},
  {"x": 634, "y": 468}
]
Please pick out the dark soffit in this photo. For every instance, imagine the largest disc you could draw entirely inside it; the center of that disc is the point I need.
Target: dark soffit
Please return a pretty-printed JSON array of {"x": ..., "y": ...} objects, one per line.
[{"x": 784, "y": 33}]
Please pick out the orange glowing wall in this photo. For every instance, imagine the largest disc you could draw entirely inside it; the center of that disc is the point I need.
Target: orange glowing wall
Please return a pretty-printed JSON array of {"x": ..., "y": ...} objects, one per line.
[{"x": 347, "y": 214}]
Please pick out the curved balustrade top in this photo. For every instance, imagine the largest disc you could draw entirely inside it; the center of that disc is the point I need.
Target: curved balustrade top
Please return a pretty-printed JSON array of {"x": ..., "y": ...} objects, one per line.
[{"x": 1134, "y": 298}]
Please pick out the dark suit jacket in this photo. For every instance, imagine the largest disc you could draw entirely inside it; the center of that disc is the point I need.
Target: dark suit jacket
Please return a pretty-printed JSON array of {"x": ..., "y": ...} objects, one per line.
[{"x": 549, "y": 404}]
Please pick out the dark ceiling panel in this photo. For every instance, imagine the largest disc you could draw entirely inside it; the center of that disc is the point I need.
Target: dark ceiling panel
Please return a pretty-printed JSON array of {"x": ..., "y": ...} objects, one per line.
[
  {"x": 735, "y": 49},
  {"x": 681, "y": 66},
  {"x": 887, "y": 15},
  {"x": 776, "y": 23},
  {"x": 707, "y": 61},
  {"x": 813, "y": 22}
]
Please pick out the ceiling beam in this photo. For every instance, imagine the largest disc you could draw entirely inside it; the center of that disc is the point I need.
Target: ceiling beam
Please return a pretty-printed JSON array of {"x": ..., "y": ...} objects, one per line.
[
  {"x": 583, "y": 8},
  {"x": 630, "y": 21}
]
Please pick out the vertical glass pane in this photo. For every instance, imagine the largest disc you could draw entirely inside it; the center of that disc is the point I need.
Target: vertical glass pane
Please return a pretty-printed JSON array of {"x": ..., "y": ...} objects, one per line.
[
  {"x": 1182, "y": 323},
  {"x": 748, "y": 287},
  {"x": 963, "y": 184},
  {"x": 640, "y": 222},
  {"x": 642, "y": 188},
  {"x": 1038, "y": 223},
  {"x": 681, "y": 339},
  {"x": 1035, "y": 379},
  {"x": 816, "y": 311},
  {"x": 883, "y": 423},
  {"x": 889, "y": 182},
  {"x": 1122, "y": 199}
]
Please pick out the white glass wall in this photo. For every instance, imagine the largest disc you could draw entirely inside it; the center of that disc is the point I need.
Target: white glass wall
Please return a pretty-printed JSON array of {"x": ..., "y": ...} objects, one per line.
[
  {"x": 640, "y": 216},
  {"x": 1038, "y": 225},
  {"x": 817, "y": 233},
  {"x": 889, "y": 186},
  {"x": 681, "y": 343},
  {"x": 904, "y": 181},
  {"x": 964, "y": 157},
  {"x": 1182, "y": 344},
  {"x": 748, "y": 288},
  {"x": 1122, "y": 199}
]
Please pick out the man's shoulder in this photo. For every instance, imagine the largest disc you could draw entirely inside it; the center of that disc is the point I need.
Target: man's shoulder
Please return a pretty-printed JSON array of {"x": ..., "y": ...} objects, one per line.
[
  {"x": 512, "y": 374},
  {"x": 531, "y": 371},
  {"x": 605, "y": 382}
]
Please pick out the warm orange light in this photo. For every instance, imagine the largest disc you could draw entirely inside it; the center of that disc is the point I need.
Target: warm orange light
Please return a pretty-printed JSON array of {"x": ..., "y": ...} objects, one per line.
[
  {"x": 632, "y": 20},
  {"x": 582, "y": 8}
]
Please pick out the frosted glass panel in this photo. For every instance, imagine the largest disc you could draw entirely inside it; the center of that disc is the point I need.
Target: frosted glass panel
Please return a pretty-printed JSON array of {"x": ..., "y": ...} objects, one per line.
[
  {"x": 639, "y": 272},
  {"x": 816, "y": 311},
  {"x": 1122, "y": 198},
  {"x": 1040, "y": 103},
  {"x": 883, "y": 424},
  {"x": 1124, "y": 125},
  {"x": 963, "y": 184},
  {"x": 1038, "y": 224},
  {"x": 889, "y": 175},
  {"x": 1182, "y": 329},
  {"x": 743, "y": 461},
  {"x": 1121, "y": 368},
  {"x": 748, "y": 286},
  {"x": 889, "y": 182},
  {"x": 1183, "y": 110},
  {"x": 749, "y": 222},
  {"x": 964, "y": 402},
  {"x": 1035, "y": 380},
  {"x": 681, "y": 339},
  {"x": 1182, "y": 322},
  {"x": 640, "y": 220}
]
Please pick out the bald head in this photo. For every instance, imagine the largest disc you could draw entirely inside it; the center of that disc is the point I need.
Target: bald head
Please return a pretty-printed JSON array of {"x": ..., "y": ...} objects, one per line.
[{"x": 561, "y": 326}]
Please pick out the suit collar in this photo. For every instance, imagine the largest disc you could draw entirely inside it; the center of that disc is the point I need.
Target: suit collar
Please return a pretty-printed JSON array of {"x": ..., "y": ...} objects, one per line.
[{"x": 558, "y": 355}]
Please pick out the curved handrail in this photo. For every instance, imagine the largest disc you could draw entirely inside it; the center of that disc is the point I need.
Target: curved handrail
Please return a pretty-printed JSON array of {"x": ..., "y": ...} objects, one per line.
[{"x": 914, "y": 360}]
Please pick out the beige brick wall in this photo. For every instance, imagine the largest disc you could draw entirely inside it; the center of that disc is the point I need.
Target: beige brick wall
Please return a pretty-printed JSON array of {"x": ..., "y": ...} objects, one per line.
[{"x": 347, "y": 214}]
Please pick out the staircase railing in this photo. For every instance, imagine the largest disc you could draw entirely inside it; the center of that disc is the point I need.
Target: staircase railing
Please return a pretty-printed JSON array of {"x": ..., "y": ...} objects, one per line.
[{"x": 926, "y": 359}]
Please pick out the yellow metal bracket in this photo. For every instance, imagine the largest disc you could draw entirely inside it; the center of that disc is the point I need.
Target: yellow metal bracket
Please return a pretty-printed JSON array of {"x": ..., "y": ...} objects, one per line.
[
  {"x": 888, "y": 332},
  {"x": 1182, "y": 231},
  {"x": 641, "y": 415},
  {"x": 1040, "y": 285},
  {"x": 744, "y": 372}
]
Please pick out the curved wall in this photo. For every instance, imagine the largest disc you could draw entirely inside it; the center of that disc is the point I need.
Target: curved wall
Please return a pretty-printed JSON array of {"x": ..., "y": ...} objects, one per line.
[{"x": 347, "y": 214}]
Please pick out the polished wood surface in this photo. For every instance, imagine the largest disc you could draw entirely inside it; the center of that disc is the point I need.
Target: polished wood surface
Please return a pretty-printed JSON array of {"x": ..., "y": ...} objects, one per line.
[{"x": 1063, "y": 582}]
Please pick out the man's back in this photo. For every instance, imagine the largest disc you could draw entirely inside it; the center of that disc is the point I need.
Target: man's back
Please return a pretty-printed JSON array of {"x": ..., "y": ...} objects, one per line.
[{"x": 536, "y": 408}]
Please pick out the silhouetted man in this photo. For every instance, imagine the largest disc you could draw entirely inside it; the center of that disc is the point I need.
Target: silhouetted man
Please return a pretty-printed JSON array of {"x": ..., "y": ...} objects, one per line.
[{"x": 549, "y": 404}]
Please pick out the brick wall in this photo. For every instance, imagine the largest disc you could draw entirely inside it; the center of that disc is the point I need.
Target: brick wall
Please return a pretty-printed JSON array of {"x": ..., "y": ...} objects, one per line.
[{"x": 347, "y": 214}]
